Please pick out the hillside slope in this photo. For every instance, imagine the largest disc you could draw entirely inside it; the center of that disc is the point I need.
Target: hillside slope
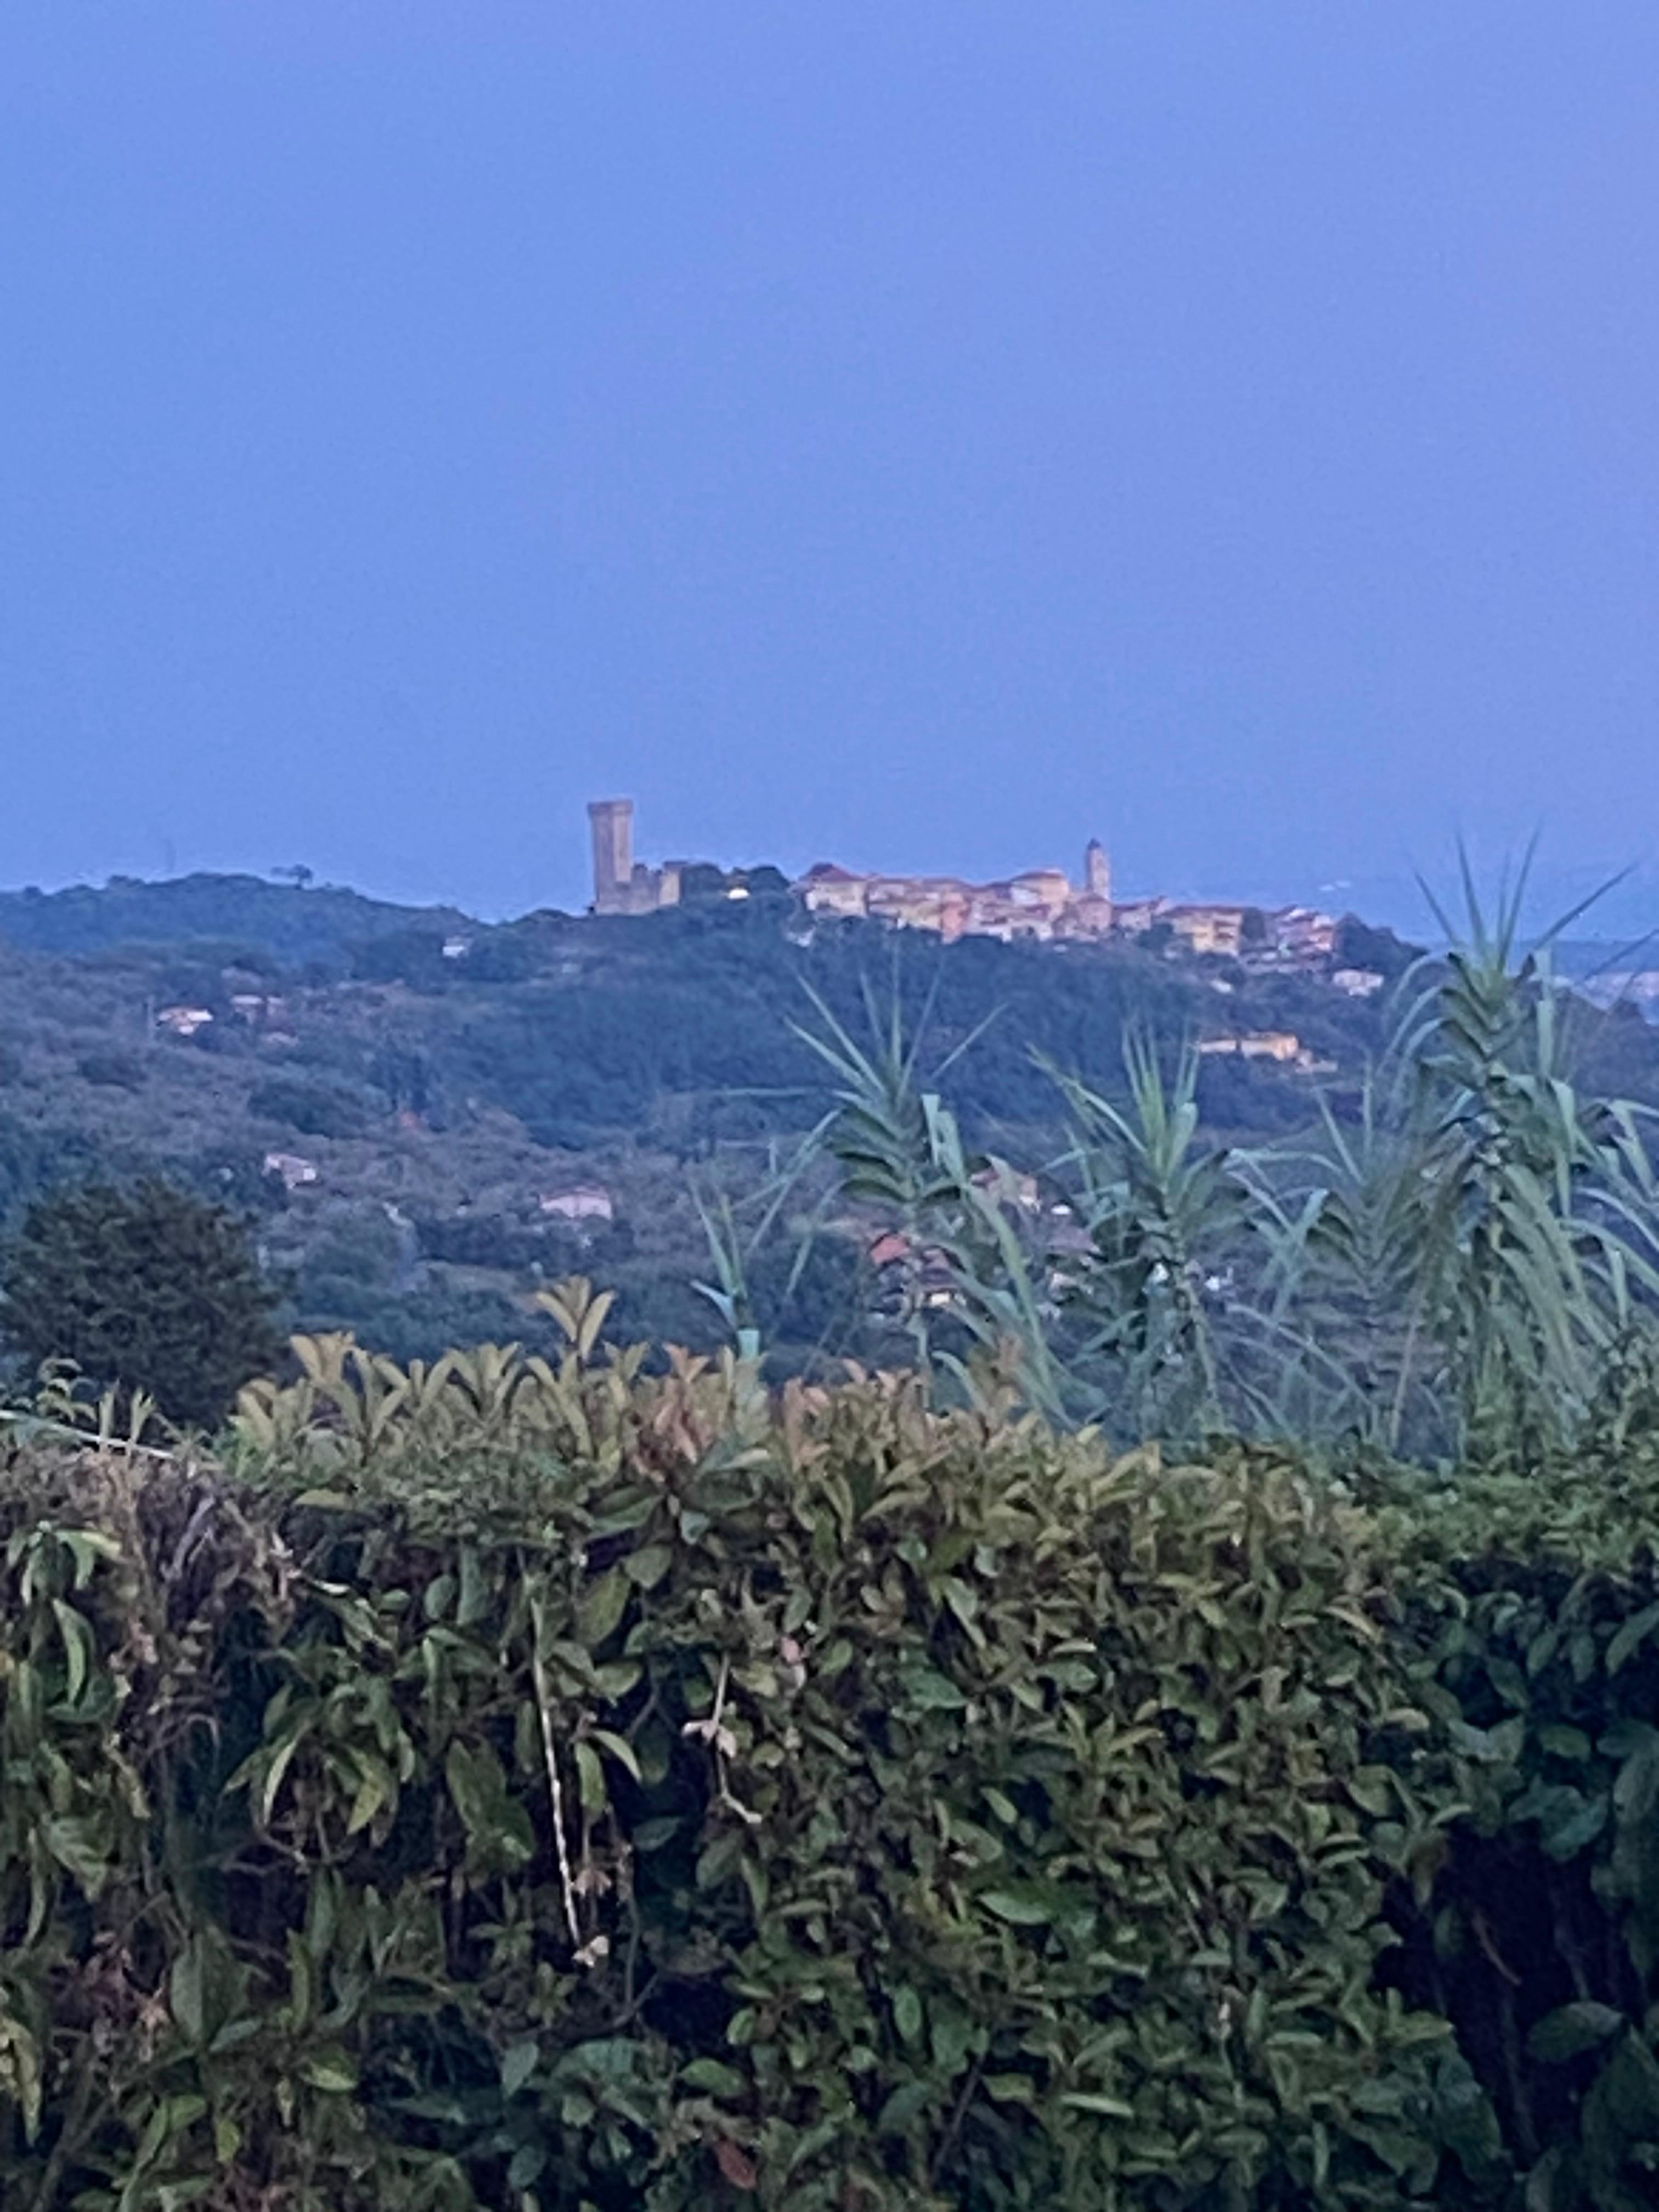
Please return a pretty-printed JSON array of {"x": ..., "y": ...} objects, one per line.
[
  {"x": 281, "y": 918},
  {"x": 457, "y": 1110}
]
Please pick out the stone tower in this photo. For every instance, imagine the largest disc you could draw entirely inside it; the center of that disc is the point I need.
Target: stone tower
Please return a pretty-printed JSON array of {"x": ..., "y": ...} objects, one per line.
[
  {"x": 612, "y": 821},
  {"x": 1097, "y": 871}
]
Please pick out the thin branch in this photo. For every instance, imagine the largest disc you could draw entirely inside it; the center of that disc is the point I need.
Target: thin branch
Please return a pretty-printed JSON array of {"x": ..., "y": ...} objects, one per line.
[{"x": 555, "y": 1787}]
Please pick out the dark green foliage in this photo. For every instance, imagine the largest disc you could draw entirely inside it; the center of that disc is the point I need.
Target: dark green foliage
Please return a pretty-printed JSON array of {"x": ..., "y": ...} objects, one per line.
[
  {"x": 415, "y": 957},
  {"x": 33, "y": 1160},
  {"x": 403, "y": 1074},
  {"x": 537, "y": 1784},
  {"x": 810, "y": 1304},
  {"x": 1359, "y": 945},
  {"x": 1535, "y": 1599},
  {"x": 111, "y": 1067},
  {"x": 698, "y": 1003},
  {"x": 359, "y": 1252},
  {"x": 315, "y": 1110},
  {"x": 623, "y": 1793},
  {"x": 499, "y": 955},
  {"x": 1240, "y": 1096},
  {"x": 147, "y": 1288},
  {"x": 548, "y": 1247},
  {"x": 412, "y": 1323},
  {"x": 295, "y": 923},
  {"x": 471, "y": 1240},
  {"x": 236, "y": 1175}
]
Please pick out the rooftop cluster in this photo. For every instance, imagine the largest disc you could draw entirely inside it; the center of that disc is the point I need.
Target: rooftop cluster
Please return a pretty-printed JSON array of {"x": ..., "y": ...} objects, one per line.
[
  {"x": 1040, "y": 903},
  {"x": 1044, "y": 904}
]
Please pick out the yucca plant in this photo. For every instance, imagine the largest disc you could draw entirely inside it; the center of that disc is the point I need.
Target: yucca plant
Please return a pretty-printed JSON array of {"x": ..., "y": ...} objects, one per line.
[
  {"x": 1344, "y": 1217},
  {"x": 1166, "y": 1217},
  {"x": 738, "y": 1230},
  {"x": 1467, "y": 1250},
  {"x": 968, "y": 1300},
  {"x": 1539, "y": 1235}
]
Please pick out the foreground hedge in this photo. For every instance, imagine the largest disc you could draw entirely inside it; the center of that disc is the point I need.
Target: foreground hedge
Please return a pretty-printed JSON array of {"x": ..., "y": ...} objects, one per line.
[{"x": 506, "y": 1786}]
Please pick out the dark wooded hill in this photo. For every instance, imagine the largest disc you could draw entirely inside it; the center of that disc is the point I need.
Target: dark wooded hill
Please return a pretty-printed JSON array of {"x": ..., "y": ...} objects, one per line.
[{"x": 455, "y": 1105}]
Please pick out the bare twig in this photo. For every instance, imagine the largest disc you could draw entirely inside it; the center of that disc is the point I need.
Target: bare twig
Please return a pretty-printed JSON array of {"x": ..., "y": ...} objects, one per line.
[
  {"x": 555, "y": 1787},
  {"x": 187, "y": 1542},
  {"x": 947, "y": 2141}
]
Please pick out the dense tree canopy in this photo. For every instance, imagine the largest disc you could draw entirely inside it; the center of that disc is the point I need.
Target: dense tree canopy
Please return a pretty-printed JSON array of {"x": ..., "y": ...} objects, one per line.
[{"x": 145, "y": 1287}]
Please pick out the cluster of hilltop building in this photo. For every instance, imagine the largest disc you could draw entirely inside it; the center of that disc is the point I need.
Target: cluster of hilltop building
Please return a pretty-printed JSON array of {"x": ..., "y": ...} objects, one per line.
[{"x": 1040, "y": 903}]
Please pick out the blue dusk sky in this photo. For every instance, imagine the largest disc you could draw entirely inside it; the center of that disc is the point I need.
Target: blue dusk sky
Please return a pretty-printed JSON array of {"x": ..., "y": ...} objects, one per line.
[{"x": 916, "y": 433}]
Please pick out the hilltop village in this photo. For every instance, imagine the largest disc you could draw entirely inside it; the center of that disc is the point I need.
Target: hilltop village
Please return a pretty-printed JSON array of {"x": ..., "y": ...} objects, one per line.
[{"x": 1039, "y": 904}]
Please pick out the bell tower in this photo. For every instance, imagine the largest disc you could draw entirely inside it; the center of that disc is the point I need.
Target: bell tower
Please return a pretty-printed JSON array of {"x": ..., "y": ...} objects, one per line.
[
  {"x": 1097, "y": 871},
  {"x": 612, "y": 824}
]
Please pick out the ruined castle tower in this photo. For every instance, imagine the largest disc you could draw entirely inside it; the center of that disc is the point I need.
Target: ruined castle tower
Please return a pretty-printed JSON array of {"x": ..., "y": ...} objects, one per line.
[
  {"x": 612, "y": 821},
  {"x": 1096, "y": 871}
]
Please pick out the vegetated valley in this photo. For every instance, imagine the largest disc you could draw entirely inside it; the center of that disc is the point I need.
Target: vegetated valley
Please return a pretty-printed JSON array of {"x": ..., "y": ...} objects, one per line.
[{"x": 427, "y": 1116}]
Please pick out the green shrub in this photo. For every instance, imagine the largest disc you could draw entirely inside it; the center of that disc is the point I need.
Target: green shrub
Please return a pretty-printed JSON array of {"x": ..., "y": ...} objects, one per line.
[
  {"x": 144, "y": 1287},
  {"x": 112, "y": 1067},
  {"x": 1536, "y": 1598},
  {"x": 315, "y": 1110},
  {"x": 554, "y": 1786}
]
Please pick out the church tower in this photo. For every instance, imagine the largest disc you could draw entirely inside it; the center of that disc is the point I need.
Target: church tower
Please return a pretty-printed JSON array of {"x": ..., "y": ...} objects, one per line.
[{"x": 1097, "y": 871}]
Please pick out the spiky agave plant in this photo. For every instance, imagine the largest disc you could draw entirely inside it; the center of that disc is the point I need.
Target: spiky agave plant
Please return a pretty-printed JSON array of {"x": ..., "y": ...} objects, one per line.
[
  {"x": 1166, "y": 1215},
  {"x": 966, "y": 1283},
  {"x": 736, "y": 1230},
  {"x": 1343, "y": 1218},
  {"x": 1486, "y": 1236},
  {"x": 1540, "y": 1234}
]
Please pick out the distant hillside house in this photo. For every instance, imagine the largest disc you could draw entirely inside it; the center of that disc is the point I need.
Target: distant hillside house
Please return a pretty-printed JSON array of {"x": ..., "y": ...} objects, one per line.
[
  {"x": 1358, "y": 982},
  {"x": 1282, "y": 1046},
  {"x": 934, "y": 1279},
  {"x": 1637, "y": 986},
  {"x": 1009, "y": 1186},
  {"x": 583, "y": 1201},
  {"x": 831, "y": 889},
  {"x": 260, "y": 1008},
  {"x": 295, "y": 1171},
  {"x": 1215, "y": 929},
  {"x": 1303, "y": 934},
  {"x": 183, "y": 1021},
  {"x": 1262, "y": 1044},
  {"x": 889, "y": 1247}
]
